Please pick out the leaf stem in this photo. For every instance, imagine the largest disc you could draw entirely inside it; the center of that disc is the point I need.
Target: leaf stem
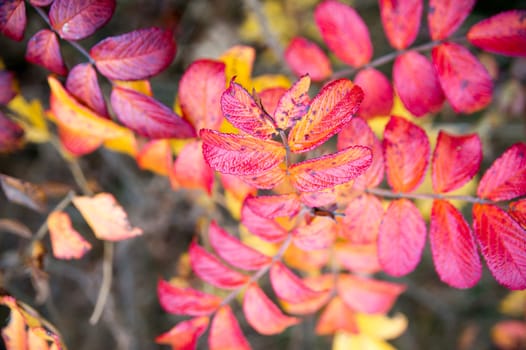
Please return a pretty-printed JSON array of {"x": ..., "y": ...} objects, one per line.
[
  {"x": 43, "y": 229},
  {"x": 107, "y": 277},
  {"x": 287, "y": 147},
  {"x": 390, "y": 194}
]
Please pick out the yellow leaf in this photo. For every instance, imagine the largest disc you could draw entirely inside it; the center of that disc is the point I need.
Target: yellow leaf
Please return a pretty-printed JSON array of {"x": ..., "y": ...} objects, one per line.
[
  {"x": 345, "y": 341},
  {"x": 381, "y": 326},
  {"x": 266, "y": 81},
  {"x": 233, "y": 204},
  {"x": 514, "y": 304},
  {"x": 126, "y": 144},
  {"x": 156, "y": 156},
  {"x": 142, "y": 86},
  {"x": 239, "y": 61},
  {"x": 34, "y": 122}
]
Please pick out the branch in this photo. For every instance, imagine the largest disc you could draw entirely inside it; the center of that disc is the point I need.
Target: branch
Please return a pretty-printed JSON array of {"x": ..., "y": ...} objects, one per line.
[
  {"x": 390, "y": 194},
  {"x": 104, "y": 292}
]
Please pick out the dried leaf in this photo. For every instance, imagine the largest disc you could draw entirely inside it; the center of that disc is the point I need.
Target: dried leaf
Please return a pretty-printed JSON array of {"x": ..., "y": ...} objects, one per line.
[
  {"x": 66, "y": 242},
  {"x": 401, "y": 21},
  {"x": 305, "y": 57},
  {"x": 186, "y": 301},
  {"x": 24, "y": 193},
  {"x": 43, "y": 49}
]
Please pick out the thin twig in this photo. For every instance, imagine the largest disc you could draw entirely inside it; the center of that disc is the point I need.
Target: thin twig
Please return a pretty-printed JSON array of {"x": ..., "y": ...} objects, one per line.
[
  {"x": 43, "y": 229},
  {"x": 107, "y": 276},
  {"x": 389, "y": 194}
]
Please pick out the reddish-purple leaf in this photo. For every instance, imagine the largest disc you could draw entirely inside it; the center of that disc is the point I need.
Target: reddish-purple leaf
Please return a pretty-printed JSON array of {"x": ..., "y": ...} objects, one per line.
[
  {"x": 13, "y": 19},
  {"x": 401, "y": 238},
  {"x": 225, "y": 333},
  {"x": 83, "y": 84},
  {"x": 185, "y": 334},
  {"x": 358, "y": 132},
  {"x": 464, "y": 80},
  {"x": 330, "y": 170},
  {"x": 190, "y": 169},
  {"x": 290, "y": 287},
  {"x": 502, "y": 33},
  {"x": 344, "y": 32},
  {"x": 367, "y": 295},
  {"x": 262, "y": 314},
  {"x": 41, "y": 3},
  {"x": 78, "y": 19},
  {"x": 453, "y": 246},
  {"x": 240, "y": 109},
  {"x": 406, "y": 151},
  {"x": 186, "y": 301},
  {"x": 305, "y": 57},
  {"x": 416, "y": 82},
  {"x": 518, "y": 211},
  {"x": 503, "y": 244},
  {"x": 274, "y": 206},
  {"x": 401, "y": 21},
  {"x": 208, "y": 268},
  {"x": 11, "y": 135},
  {"x": 233, "y": 251},
  {"x": 200, "y": 91},
  {"x": 43, "y": 49},
  {"x": 333, "y": 107},
  {"x": 378, "y": 93},
  {"x": 240, "y": 155},
  {"x": 294, "y": 104},
  {"x": 266, "y": 229},
  {"x": 506, "y": 178},
  {"x": 148, "y": 117},
  {"x": 362, "y": 219},
  {"x": 456, "y": 160},
  {"x": 445, "y": 16},
  {"x": 7, "y": 87},
  {"x": 136, "y": 55},
  {"x": 315, "y": 235}
]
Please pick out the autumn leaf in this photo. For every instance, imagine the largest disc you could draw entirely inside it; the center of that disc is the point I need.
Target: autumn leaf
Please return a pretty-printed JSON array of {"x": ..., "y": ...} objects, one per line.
[
  {"x": 362, "y": 219},
  {"x": 24, "y": 193},
  {"x": 186, "y": 301},
  {"x": 323, "y": 285},
  {"x": 265, "y": 228},
  {"x": 274, "y": 206},
  {"x": 239, "y": 61},
  {"x": 305, "y": 57},
  {"x": 225, "y": 333},
  {"x": 444, "y": 17},
  {"x": 360, "y": 258},
  {"x": 289, "y": 286},
  {"x": 156, "y": 156},
  {"x": 317, "y": 234},
  {"x": 336, "y": 316},
  {"x": 66, "y": 242},
  {"x": 518, "y": 211},
  {"x": 82, "y": 83},
  {"x": 13, "y": 19},
  {"x": 266, "y": 180},
  {"x": 11, "y": 135},
  {"x": 401, "y": 21},
  {"x": 7, "y": 87},
  {"x": 190, "y": 169},
  {"x": 76, "y": 142},
  {"x": 43, "y": 49},
  {"x": 378, "y": 93},
  {"x": 185, "y": 334}
]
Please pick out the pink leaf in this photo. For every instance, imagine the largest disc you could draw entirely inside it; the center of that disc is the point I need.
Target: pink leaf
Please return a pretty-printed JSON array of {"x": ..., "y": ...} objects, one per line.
[
  {"x": 262, "y": 314},
  {"x": 185, "y": 334},
  {"x": 266, "y": 180},
  {"x": 136, "y": 55},
  {"x": 290, "y": 287},
  {"x": 190, "y": 169},
  {"x": 66, "y": 242},
  {"x": 233, "y": 251},
  {"x": 305, "y": 57},
  {"x": 43, "y": 49},
  {"x": 401, "y": 21},
  {"x": 401, "y": 238},
  {"x": 378, "y": 93},
  {"x": 456, "y": 160},
  {"x": 453, "y": 246},
  {"x": 506, "y": 178},
  {"x": 336, "y": 317},
  {"x": 83, "y": 84},
  {"x": 148, "y": 117},
  {"x": 274, "y": 206},
  {"x": 518, "y": 211},
  {"x": 264, "y": 228},
  {"x": 362, "y": 219},
  {"x": 358, "y": 258},
  {"x": 503, "y": 244},
  {"x": 318, "y": 234},
  {"x": 445, "y": 16},
  {"x": 344, "y": 32},
  {"x": 225, "y": 333},
  {"x": 186, "y": 301},
  {"x": 78, "y": 19},
  {"x": 13, "y": 19}
]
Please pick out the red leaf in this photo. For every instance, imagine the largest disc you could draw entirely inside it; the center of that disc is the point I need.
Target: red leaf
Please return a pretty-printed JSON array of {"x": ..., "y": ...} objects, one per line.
[
  {"x": 317, "y": 234},
  {"x": 464, "y": 80},
  {"x": 11, "y": 134},
  {"x": 330, "y": 170},
  {"x": 43, "y": 49},
  {"x": 344, "y": 32},
  {"x": 362, "y": 219},
  {"x": 270, "y": 98},
  {"x": 66, "y": 242},
  {"x": 13, "y": 19},
  {"x": 453, "y": 246},
  {"x": 240, "y": 155},
  {"x": 406, "y": 150},
  {"x": 76, "y": 142},
  {"x": 401, "y": 238},
  {"x": 148, "y": 117},
  {"x": 290, "y": 287},
  {"x": 186, "y": 301},
  {"x": 445, "y": 16},
  {"x": 78, "y": 19},
  {"x": 262, "y": 314},
  {"x": 518, "y": 211},
  {"x": 358, "y": 132},
  {"x": 200, "y": 91},
  {"x": 506, "y": 178},
  {"x": 264, "y": 228},
  {"x": 83, "y": 84},
  {"x": 456, "y": 160},
  {"x": 293, "y": 105},
  {"x": 358, "y": 258},
  {"x": 136, "y": 55},
  {"x": 225, "y": 333},
  {"x": 329, "y": 112},
  {"x": 190, "y": 169},
  {"x": 185, "y": 334},
  {"x": 416, "y": 82},
  {"x": 7, "y": 87},
  {"x": 503, "y": 244},
  {"x": 240, "y": 109},
  {"x": 502, "y": 33},
  {"x": 305, "y": 57},
  {"x": 211, "y": 270},
  {"x": 378, "y": 93},
  {"x": 266, "y": 180},
  {"x": 336, "y": 317},
  {"x": 233, "y": 251},
  {"x": 401, "y": 21},
  {"x": 274, "y": 206},
  {"x": 367, "y": 295}
]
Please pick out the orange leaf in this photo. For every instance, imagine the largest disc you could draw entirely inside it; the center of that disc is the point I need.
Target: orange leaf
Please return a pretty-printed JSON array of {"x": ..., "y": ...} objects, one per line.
[
  {"x": 82, "y": 83},
  {"x": 401, "y": 238},
  {"x": 106, "y": 217},
  {"x": 401, "y": 21},
  {"x": 186, "y": 301},
  {"x": 293, "y": 105},
  {"x": 239, "y": 189},
  {"x": 156, "y": 156},
  {"x": 336, "y": 317},
  {"x": 323, "y": 285},
  {"x": 406, "y": 154},
  {"x": 518, "y": 211},
  {"x": 330, "y": 110},
  {"x": 225, "y": 333},
  {"x": 445, "y": 16},
  {"x": 274, "y": 206},
  {"x": 14, "y": 334},
  {"x": 318, "y": 234},
  {"x": 262, "y": 314},
  {"x": 190, "y": 169},
  {"x": 378, "y": 93},
  {"x": 362, "y": 219},
  {"x": 43, "y": 49},
  {"x": 76, "y": 141},
  {"x": 66, "y": 242},
  {"x": 185, "y": 334},
  {"x": 211, "y": 270},
  {"x": 330, "y": 170},
  {"x": 305, "y": 57},
  {"x": 312, "y": 260},
  {"x": 264, "y": 228},
  {"x": 509, "y": 334},
  {"x": 238, "y": 154},
  {"x": 290, "y": 287},
  {"x": 358, "y": 258}
]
